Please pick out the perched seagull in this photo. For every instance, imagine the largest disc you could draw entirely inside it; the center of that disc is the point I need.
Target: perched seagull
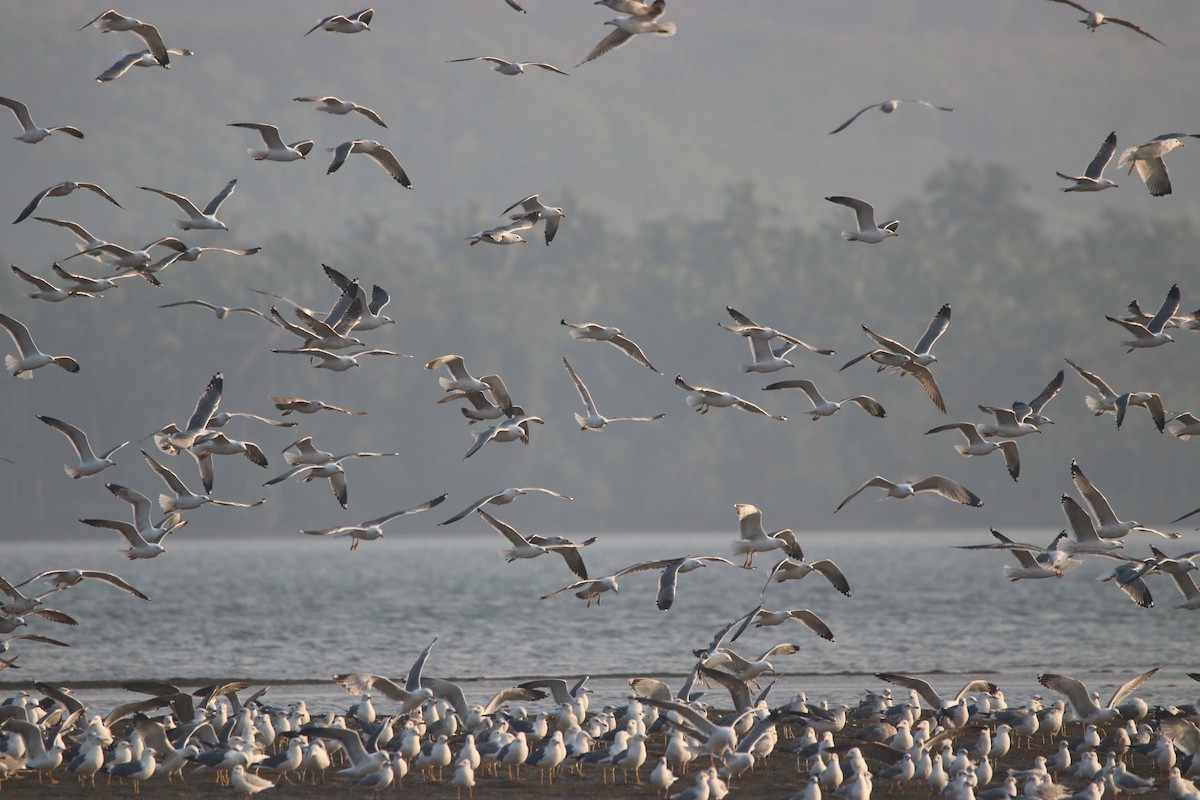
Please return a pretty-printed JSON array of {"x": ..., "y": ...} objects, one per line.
[
  {"x": 503, "y": 497},
  {"x": 111, "y": 21},
  {"x": 1148, "y": 159},
  {"x": 89, "y": 462},
  {"x": 1087, "y": 708},
  {"x": 887, "y": 107},
  {"x": 826, "y": 408},
  {"x": 644, "y": 20},
  {"x": 248, "y": 783},
  {"x": 339, "y": 362},
  {"x": 332, "y": 105},
  {"x": 702, "y": 398},
  {"x": 595, "y": 420},
  {"x": 978, "y": 446},
  {"x": 1092, "y": 179},
  {"x": 381, "y": 155},
  {"x": 45, "y": 289},
  {"x": 753, "y": 538},
  {"x": 62, "y": 190},
  {"x": 1109, "y": 526},
  {"x": 867, "y": 231},
  {"x": 672, "y": 568},
  {"x": 276, "y": 149},
  {"x": 744, "y": 326},
  {"x": 1151, "y": 334},
  {"x": 763, "y": 617},
  {"x": 532, "y": 205},
  {"x": 935, "y": 483},
  {"x": 591, "y": 332},
  {"x": 222, "y": 312},
  {"x": 349, "y": 23},
  {"x": 32, "y": 133},
  {"x": 138, "y": 58},
  {"x": 1095, "y": 19},
  {"x": 512, "y": 429},
  {"x": 182, "y": 498},
  {"x": 197, "y": 219},
  {"x": 302, "y": 405},
  {"x": 372, "y": 529},
  {"x": 530, "y": 547},
  {"x": 30, "y": 357},
  {"x": 509, "y": 67}
]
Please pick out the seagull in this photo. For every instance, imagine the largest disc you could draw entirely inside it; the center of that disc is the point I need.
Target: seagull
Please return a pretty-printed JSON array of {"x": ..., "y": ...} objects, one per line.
[
  {"x": 867, "y": 231},
  {"x": 794, "y": 569},
  {"x": 1031, "y": 412},
  {"x": 1107, "y": 401},
  {"x": 182, "y": 498},
  {"x": 339, "y": 362},
  {"x": 744, "y": 326},
  {"x": 672, "y": 568},
  {"x": 213, "y": 443},
  {"x": 909, "y": 366},
  {"x": 754, "y": 538},
  {"x": 372, "y": 529},
  {"x": 1087, "y": 709},
  {"x": 935, "y": 483},
  {"x": 370, "y": 307},
  {"x": 331, "y": 469},
  {"x": 1148, "y": 159},
  {"x": 349, "y": 23},
  {"x": 1151, "y": 334},
  {"x": 827, "y": 408},
  {"x": 513, "y": 429},
  {"x": 45, "y": 289},
  {"x": 30, "y": 357},
  {"x": 222, "y": 312},
  {"x": 943, "y": 706},
  {"x": 1095, "y": 19},
  {"x": 197, "y": 219},
  {"x": 87, "y": 240},
  {"x": 172, "y": 440},
  {"x": 332, "y": 105},
  {"x": 594, "y": 420},
  {"x": 591, "y": 332},
  {"x": 89, "y": 462},
  {"x": 276, "y": 149},
  {"x": 763, "y": 617},
  {"x": 503, "y": 497},
  {"x": 887, "y": 107},
  {"x": 510, "y": 67},
  {"x": 32, "y": 133},
  {"x": 1084, "y": 538},
  {"x": 144, "y": 537},
  {"x": 643, "y": 20},
  {"x": 382, "y": 156},
  {"x": 978, "y": 446},
  {"x": 248, "y": 783},
  {"x": 702, "y": 398},
  {"x": 529, "y": 547},
  {"x": 595, "y": 588},
  {"x": 302, "y": 405},
  {"x": 87, "y": 285},
  {"x": 922, "y": 352},
  {"x": 500, "y": 404},
  {"x": 138, "y": 58},
  {"x": 1185, "y": 425},
  {"x": 1033, "y": 562},
  {"x": 1179, "y": 568},
  {"x": 505, "y": 234},
  {"x": 62, "y": 190},
  {"x": 111, "y": 21},
  {"x": 1092, "y": 179},
  {"x": 460, "y": 379},
  {"x": 1109, "y": 526},
  {"x": 122, "y": 257},
  {"x": 61, "y": 579},
  {"x": 532, "y": 205}
]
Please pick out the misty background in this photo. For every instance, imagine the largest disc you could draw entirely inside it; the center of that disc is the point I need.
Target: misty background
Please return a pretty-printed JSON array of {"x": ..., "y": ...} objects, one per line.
[{"x": 693, "y": 171}]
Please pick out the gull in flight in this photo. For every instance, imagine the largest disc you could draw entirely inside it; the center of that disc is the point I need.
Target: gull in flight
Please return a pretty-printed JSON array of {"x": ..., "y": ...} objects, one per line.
[
  {"x": 222, "y": 312},
  {"x": 122, "y": 257},
  {"x": 192, "y": 252},
  {"x": 763, "y": 617},
  {"x": 1151, "y": 334},
  {"x": 172, "y": 440},
  {"x": 827, "y": 408},
  {"x": 330, "y": 468},
  {"x": 1092, "y": 179},
  {"x": 1095, "y": 19},
  {"x": 509, "y": 67},
  {"x": 702, "y": 398},
  {"x": 909, "y": 366},
  {"x": 591, "y": 332},
  {"x": 87, "y": 285},
  {"x": 348, "y": 23},
  {"x": 182, "y": 498},
  {"x": 1084, "y": 538},
  {"x": 1109, "y": 525},
  {"x": 1148, "y": 159},
  {"x": 205, "y": 220},
  {"x": 1179, "y": 568},
  {"x": 595, "y": 420},
  {"x": 459, "y": 380},
  {"x": 144, "y": 537},
  {"x": 595, "y": 588},
  {"x": 1033, "y": 562},
  {"x": 744, "y": 326},
  {"x": 61, "y": 579},
  {"x": 1107, "y": 401},
  {"x": 372, "y": 529},
  {"x": 370, "y": 318},
  {"x": 643, "y": 18},
  {"x": 978, "y": 446},
  {"x": 87, "y": 240},
  {"x": 276, "y": 149},
  {"x": 62, "y": 190},
  {"x": 502, "y": 498},
  {"x": 1087, "y": 708},
  {"x": 672, "y": 568},
  {"x": 89, "y": 462},
  {"x": 32, "y": 133},
  {"x": 500, "y": 404},
  {"x": 1008, "y": 422},
  {"x": 532, "y": 205},
  {"x": 935, "y": 483},
  {"x": 111, "y": 21},
  {"x": 534, "y": 546},
  {"x": 302, "y": 405},
  {"x": 922, "y": 352},
  {"x": 1185, "y": 425},
  {"x": 1031, "y": 412},
  {"x": 753, "y": 538},
  {"x": 45, "y": 289},
  {"x": 138, "y": 58},
  {"x": 887, "y": 107},
  {"x": 30, "y": 357},
  {"x": 505, "y": 234},
  {"x": 380, "y": 154},
  {"x": 512, "y": 429},
  {"x": 867, "y": 231},
  {"x": 794, "y": 569},
  {"x": 332, "y": 105},
  {"x": 212, "y": 443},
  {"x": 1147, "y": 400},
  {"x": 339, "y": 362},
  {"x": 948, "y": 707}
]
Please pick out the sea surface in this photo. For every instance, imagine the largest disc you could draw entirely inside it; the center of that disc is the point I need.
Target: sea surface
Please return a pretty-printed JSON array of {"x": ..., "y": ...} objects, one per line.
[{"x": 289, "y": 612}]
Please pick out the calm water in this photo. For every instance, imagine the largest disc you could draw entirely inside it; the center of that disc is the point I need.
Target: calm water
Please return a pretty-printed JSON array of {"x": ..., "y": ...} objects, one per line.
[{"x": 297, "y": 609}]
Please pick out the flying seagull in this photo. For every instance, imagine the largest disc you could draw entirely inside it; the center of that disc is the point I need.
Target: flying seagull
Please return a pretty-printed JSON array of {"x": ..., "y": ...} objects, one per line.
[
  {"x": 510, "y": 67},
  {"x": 594, "y": 420},
  {"x": 31, "y": 357},
  {"x": 276, "y": 149},
  {"x": 936, "y": 483},
  {"x": 532, "y": 205},
  {"x": 31, "y": 133},
  {"x": 1095, "y": 19},
  {"x": 1148, "y": 160},
  {"x": 591, "y": 332},
  {"x": 644, "y": 20},
  {"x": 381, "y": 155},
  {"x": 1151, "y": 334},
  {"x": 89, "y": 462},
  {"x": 887, "y": 107},
  {"x": 702, "y": 398},
  {"x": 62, "y": 190},
  {"x": 372, "y": 529},
  {"x": 867, "y": 231},
  {"x": 1092, "y": 179},
  {"x": 197, "y": 219},
  {"x": 346, "y": 23},
  {"x": 332, "y": 105}
]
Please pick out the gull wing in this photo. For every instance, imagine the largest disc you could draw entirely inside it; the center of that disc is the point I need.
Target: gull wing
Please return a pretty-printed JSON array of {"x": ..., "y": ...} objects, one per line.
[
  {"x": 937, "y": 326},
  {"x": 846, "y": 124},
  {"x": 1102, "y": 158}
]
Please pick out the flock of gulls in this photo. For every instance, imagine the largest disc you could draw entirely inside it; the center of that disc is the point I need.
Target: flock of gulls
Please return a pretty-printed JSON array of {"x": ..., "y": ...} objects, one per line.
[{"x": 962, "y": 747}]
